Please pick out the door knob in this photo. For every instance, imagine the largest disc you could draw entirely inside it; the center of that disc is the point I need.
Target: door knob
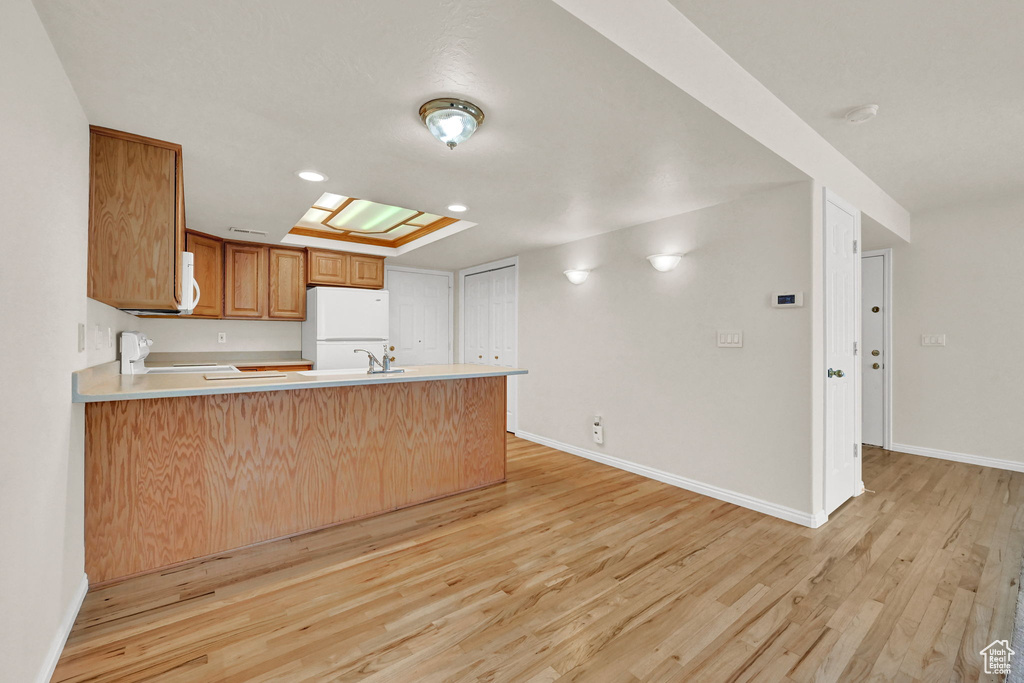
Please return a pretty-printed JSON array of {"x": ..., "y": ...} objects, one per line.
[
  {"x": 479, "y": 356},
  {"x": 391, "y": 348},
  {"x": 840, "y": 373},
  {"x": 875, "y": 366},
  {"x": 875, "y": 309},
  {"x": 875, "y": 352},
  {"x": 495, "y": 358},
  {"x": 835, "y": 373}
]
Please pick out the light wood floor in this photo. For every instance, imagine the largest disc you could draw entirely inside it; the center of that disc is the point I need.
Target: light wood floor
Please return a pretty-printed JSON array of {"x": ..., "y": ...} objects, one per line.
[{"x": 573, "y": 571}]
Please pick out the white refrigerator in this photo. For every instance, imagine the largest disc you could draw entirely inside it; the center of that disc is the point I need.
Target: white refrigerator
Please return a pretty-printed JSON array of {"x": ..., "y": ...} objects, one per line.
[{"x": 339, "y": 321}]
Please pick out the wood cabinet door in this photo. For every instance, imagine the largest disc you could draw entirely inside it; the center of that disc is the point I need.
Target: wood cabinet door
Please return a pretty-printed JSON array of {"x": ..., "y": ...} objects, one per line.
[
  {"x": 366, "y": 271},
  {"x": 287, "y": 283},
  {"x": 328, "y": 267},
  {"x": 136, "y": 219},
  {"x": 245, "y": 280},
  {"x": 208, "y": 253}
]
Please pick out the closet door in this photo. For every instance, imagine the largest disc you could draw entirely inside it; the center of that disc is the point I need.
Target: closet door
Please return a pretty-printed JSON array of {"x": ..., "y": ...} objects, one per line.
[
  {"x": 477, "y": 310},
  {"x": 490, "y": 326},
  {"x": 502, "y": 336}
]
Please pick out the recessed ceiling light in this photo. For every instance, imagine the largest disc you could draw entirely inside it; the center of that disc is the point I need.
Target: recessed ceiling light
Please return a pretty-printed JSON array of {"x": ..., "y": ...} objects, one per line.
[
  {"x": 457, "y": 208},
  {"x": 862, "y": 114},
  {"x": 312, "y": 176}
]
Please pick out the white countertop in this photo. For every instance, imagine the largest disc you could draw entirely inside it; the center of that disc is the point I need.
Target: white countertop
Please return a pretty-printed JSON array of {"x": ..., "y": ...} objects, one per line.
[{"x": 106, "y": 383}]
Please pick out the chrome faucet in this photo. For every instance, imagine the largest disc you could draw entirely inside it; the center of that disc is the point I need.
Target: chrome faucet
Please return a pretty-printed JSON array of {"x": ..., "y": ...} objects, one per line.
[{"x": 385, "y": 364}]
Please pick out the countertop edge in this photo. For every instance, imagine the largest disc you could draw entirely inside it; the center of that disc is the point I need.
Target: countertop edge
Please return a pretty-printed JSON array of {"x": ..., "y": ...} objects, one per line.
[{"x": 284, "y": 385}]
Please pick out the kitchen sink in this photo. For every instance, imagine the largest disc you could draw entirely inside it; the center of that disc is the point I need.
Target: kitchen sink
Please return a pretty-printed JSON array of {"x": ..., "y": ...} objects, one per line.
[
  {"x": 192, "y": 368},
  {"x": 350, "y": 371}
]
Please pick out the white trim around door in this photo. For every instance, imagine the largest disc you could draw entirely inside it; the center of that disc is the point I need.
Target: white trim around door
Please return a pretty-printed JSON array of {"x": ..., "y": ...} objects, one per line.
[
  {"x": 886, "y": 255},
  {"x": 451, "y": 297}
]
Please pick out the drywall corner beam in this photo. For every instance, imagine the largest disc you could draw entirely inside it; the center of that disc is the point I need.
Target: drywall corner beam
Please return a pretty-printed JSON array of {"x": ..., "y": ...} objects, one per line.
[{"x": 657, "y": 34}]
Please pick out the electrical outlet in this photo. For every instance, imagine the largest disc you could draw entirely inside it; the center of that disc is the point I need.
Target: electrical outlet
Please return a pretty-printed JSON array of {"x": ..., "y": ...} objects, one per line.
[
  {"x": 110, "y": 338},
  {"x": 81, "y": 337},
  {"x": 598, "y": 429},
  {"x": 222, "y": 337}
]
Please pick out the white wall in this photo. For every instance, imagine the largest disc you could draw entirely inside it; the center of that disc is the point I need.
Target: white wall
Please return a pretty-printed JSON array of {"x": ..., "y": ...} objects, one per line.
[
  {"x": 638, "y": 347},
  {"x": 962, "y": 276},
  {"x": 188, "y": 335},
  {"x": 44, "y": 165}
]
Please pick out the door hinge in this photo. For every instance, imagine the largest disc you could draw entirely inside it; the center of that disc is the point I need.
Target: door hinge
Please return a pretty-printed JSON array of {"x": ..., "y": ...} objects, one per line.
[
  {"x": 855, "y": 246},
  {"x": 856, "y": 450},
  {"x": 855, "y": 348}
]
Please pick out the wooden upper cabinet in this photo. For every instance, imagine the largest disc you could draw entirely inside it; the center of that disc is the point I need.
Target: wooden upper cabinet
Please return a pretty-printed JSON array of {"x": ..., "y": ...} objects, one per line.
[
  {"x": 328, "y": 267},
  {"x": 344, "y": 269},
  {"x": 287, "y": 284},
  {"x": 208, "y": 253},
  {"x": 136, "y": 221},
  {"x": 366, "y": 271},
  {"x": 245, "y": 280}
]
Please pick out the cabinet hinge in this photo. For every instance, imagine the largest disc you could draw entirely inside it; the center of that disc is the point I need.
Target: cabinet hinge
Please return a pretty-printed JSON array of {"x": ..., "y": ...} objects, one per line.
[
  {"x": 855, "y": 348},
  {"x": 856, "y": 450},
  {"x": 855, "y": 246}
]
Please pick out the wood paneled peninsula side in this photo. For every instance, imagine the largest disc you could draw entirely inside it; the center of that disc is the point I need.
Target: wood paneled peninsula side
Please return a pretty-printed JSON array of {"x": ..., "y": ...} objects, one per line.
[{"x": 179, "y": 467}]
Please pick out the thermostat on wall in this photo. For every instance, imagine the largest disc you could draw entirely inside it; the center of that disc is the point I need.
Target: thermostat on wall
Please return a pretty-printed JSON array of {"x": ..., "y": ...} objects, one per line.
[{"x": 788, "y": 300}]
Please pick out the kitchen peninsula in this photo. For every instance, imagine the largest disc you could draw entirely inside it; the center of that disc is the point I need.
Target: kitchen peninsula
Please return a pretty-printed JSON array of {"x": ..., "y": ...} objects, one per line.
[{"x": 180, "y": 467}]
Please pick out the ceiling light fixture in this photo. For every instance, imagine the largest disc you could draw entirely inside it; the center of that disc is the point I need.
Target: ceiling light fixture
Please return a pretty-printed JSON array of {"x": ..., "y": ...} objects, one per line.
[
  {"x": 577, "y": 277},
  {"x": 312, "y": 176},
  {"x": 457, "y": 208},
  {"x": 451, "y": 121},
  {"x": 862, "y": 114},
  {"x": 664, "y": 262}
]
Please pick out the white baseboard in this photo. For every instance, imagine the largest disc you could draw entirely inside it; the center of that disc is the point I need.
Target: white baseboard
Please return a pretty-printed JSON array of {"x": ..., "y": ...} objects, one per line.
[
  {"x": 782, "y": 512},
  {"x": 997, "y": 463},
  {"x": 61, "y": 636}
]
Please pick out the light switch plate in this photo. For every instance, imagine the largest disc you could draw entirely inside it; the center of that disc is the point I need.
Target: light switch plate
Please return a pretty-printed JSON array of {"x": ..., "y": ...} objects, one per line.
[
  {"x": 730, "y": 339},
  {"x": 222, "y": 337},
  {"x": 933, "y": 340}
]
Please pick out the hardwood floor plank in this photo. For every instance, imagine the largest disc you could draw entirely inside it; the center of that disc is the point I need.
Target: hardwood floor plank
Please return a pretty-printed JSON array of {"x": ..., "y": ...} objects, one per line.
[{"x": 573, "y": 571}]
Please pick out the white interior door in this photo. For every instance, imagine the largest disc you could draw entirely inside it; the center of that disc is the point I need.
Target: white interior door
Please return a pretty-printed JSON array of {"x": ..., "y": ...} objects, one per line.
[
  {"x": 842, "y": 448},
  {"x": 490, "y": 326},
  {"x": 874, "y": 357},
  {"x": 477, "y": 306},
  {"x": 420, "y": 317}
]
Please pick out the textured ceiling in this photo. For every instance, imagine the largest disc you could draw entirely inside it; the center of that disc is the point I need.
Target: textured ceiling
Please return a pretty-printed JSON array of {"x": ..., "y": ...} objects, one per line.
[
  {"x": 579, "y": 139},
  {"x": 947, "y": 77}
]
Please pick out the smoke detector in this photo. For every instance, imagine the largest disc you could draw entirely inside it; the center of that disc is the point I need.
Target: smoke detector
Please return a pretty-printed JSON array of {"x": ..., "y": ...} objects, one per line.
[{"x": 861, "y": 114}]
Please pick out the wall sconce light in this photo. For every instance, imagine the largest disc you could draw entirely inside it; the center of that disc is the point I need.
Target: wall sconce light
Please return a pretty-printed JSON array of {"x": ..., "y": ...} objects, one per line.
[
  {"x": 577, "y": 277},
  {"x": 664, "y": 262}
]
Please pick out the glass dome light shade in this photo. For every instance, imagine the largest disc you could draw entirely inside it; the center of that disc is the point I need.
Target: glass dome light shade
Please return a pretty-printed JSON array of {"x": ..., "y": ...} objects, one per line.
[
  {"x": 664, "y": 262},
  {"x": 451, "y": 121},
  {"x": 577, "y": 277},
  {"x": 451, "y": 126}
]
